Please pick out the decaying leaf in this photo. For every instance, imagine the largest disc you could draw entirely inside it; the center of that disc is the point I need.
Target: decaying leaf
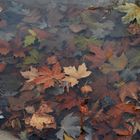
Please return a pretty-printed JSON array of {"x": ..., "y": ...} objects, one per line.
[
  {"x": 74, "y": 75},
  {"x": 132, "y": 12}
]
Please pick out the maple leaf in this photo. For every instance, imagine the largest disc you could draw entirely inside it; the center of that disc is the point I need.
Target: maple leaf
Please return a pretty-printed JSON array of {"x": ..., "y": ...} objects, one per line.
[
  {"x": 74, "y": 75},
  {"x": 30, "y": 75},
  {"x": 121, "y": 108},
  {"x": 132, "y": 12},
  {"x": 98, "y": 55},
  {"x": 42, "y": 121},
  {"x": 71, "y": 125},
  {"x": 48, "y": 77},
  {"x": 129, "y": 90},
  {"x": 115, "y": 64}
]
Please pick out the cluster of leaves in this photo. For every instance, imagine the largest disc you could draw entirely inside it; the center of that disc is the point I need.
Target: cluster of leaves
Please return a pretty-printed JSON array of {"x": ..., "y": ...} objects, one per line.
[{"x": 70, "y": 83}]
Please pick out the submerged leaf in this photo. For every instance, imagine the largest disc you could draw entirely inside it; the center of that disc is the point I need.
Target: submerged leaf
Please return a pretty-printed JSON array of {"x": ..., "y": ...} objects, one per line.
[{"x": 71, "y": 125}]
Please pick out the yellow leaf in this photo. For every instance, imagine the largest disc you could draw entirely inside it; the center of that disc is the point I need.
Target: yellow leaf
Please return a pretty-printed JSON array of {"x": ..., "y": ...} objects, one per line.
[
  {"x": 132, "y": 12},
  {"x": 42, "y": 121},
  {"x": 32, "y": 32},
  {"x": 66, "y": 137},
  {"x": 73, "y": 75},
  {"x": 30, "y": 75}
]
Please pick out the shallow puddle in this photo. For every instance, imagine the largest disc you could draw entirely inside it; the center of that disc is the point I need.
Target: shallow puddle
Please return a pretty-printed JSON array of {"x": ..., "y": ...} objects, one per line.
[{"x": 70, "y": 70}]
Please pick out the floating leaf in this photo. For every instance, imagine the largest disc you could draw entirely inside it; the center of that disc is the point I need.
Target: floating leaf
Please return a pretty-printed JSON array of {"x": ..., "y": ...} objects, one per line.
[
  {"x": 42, "y": 121},
  {"x": 30, "y": 75},
  {"x": 132, "y": 12},
  {"x": 48, "y": 77},
  {"x": 74, "y": 75}
]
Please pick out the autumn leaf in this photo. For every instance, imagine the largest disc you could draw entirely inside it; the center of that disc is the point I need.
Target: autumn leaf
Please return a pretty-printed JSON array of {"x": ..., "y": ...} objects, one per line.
[
  {"x": 4, "y": 47},
  {"x": 73, "y": 75},
  {"x": 98, "y": 55},
  {"x": 68, "y": 101},
  {"x": 115, "y": 64},
  {"x": 30, "y": 75},
  {"x": 41, "y": 34},
  {"x": 86, "y": 89},
  {"x": 132, "y": 12},
  {"x": 66, "y": 137},
  {"x": 2, "y": 67},
  {"x": 71, "y": 125},
  {"x": 42, "y": 121},
  {"x": 29, "y": 40},
  {"x": 33, "y": 58},
  {"x": 48, "y": 77},
  {"x": 120, "y": 108},
  {"x": 129, "y": 90}
]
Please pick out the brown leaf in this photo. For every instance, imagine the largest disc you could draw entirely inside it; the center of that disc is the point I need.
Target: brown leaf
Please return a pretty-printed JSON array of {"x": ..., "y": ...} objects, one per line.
[
  {"x": 2, "y": 67},
  {"x": 118, "y": 109},
  {"x": 86, "y": 89},
  {"x": 77, "y": 27},
  {"x": 129, "y": 90},
  {"x": 4, "y": 47}
]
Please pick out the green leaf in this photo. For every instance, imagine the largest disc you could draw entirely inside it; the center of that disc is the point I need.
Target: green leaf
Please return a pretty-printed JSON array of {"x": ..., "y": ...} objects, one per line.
[
  {"x": 33, "y": 58},
  {"x": 29, "y": 40},
  {"x": 82, "y": 41},
  {"x": 132, "y": 12}
]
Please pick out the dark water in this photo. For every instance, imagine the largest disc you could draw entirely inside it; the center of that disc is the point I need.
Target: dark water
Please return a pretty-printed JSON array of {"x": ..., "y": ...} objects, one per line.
[{"x": 36, "y": 35}]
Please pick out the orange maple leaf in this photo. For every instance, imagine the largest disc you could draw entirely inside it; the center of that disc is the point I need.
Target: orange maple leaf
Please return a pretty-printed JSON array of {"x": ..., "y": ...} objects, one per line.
[{"x": 48, "y": 77}]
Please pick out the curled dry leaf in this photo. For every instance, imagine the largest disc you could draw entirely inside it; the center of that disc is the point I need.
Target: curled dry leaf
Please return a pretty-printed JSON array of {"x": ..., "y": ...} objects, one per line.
[
  {"x": 42, "y": 121},
  {"x": 73, "y": 75}
]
